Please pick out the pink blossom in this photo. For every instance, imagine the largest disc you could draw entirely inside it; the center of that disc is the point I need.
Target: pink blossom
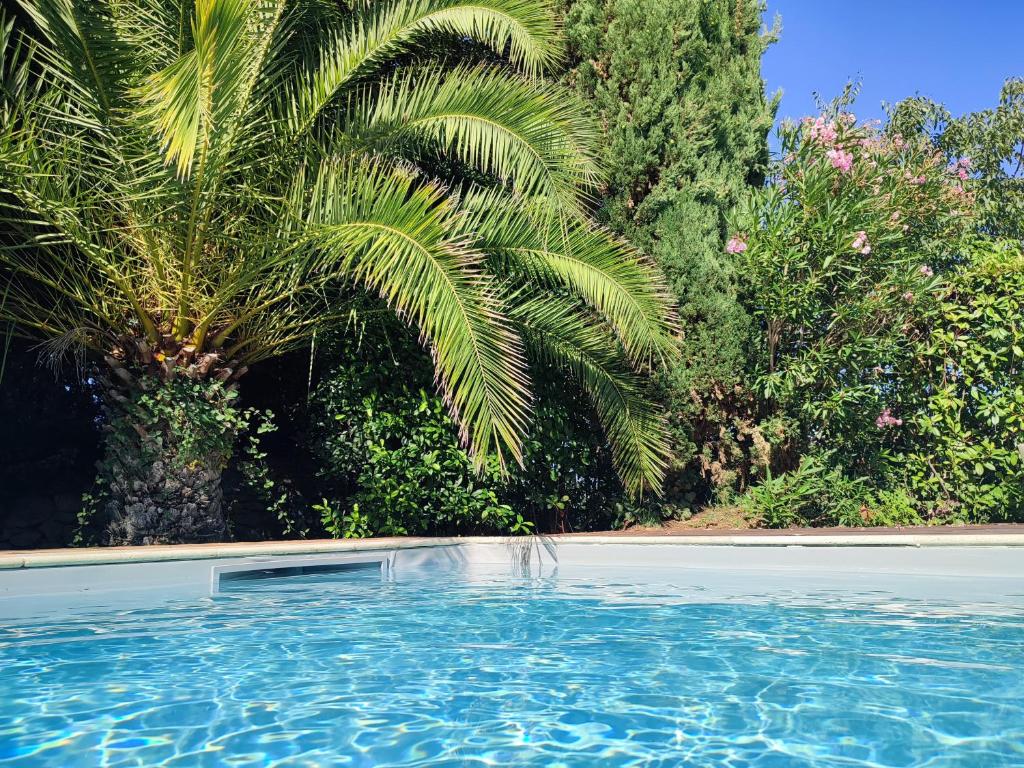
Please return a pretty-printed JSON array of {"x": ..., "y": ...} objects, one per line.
[
  {"x": 823, "y": 132},
  {"x": 886, "y": 419},
  {"x": 909, "y": 297},
  {"x": 962, "y": 168},
  {"x": 926, "y": 271},
  {"x": 860, "y": 243},
  {"x": 896, "y": 215},
  {"x": 840, "y": 159},
  {"x": 736, "y": 244}
]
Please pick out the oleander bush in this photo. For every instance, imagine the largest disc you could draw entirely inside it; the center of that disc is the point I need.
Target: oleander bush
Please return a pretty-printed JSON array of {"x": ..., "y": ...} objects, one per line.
[{"x": 890, "y": 329}]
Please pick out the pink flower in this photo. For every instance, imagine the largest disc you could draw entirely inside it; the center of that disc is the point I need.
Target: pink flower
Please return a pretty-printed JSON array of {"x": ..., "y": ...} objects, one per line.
[
  {"x": 961, "y": 168},
  {"x": 736, "y": 244},
  {"x": 926, "y": 271},
  {"x": 840, "y": 159},
  {"x": 886, "y": 419},
  {"x": 860, "y": 243},
  {"x": 896, "y": 215},
  {"x": 823, "y": 132},
  {"x": 909, "y": 297}
]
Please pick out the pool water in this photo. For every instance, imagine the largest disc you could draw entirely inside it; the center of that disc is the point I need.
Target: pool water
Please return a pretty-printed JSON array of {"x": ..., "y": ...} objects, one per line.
[{"x": 435, "y": 669}]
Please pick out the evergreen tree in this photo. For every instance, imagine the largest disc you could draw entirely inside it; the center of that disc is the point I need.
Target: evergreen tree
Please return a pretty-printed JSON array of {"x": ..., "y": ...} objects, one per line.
[{"x": 677, "y": 87}]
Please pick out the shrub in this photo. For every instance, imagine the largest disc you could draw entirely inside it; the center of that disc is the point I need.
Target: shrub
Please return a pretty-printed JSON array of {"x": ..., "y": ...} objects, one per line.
[
  {"x": 392, "y": 443},
  {"x": 390, "y": 460},
  {"x": 814, "y": 493},
  {"x": 843, "y": 252},
  {"x": 965, "y": 455}
]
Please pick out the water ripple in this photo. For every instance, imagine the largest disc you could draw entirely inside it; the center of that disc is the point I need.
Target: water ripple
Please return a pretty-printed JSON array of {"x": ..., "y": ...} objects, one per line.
[{"x": 448, "y": 670}]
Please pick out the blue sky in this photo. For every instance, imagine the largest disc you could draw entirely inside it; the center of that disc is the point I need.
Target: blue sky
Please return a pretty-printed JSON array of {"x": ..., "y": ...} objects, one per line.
[{"x": 954, "y": 51}]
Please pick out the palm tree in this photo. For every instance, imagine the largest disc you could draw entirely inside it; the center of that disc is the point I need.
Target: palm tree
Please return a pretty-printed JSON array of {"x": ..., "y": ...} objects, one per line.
[{"x": 188, "y": 187}]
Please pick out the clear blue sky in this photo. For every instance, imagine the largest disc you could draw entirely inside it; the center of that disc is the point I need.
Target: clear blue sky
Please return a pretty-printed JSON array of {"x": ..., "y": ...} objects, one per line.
[{"x": 957, "y": 52}]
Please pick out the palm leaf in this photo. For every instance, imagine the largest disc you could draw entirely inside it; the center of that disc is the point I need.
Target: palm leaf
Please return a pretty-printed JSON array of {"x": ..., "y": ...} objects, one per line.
[
  {"x": 400, "y": 238},
  {"x": 527, "y": 134},
  {"x": 570, "y": 253},
  {"x": 198, "y": 99},
  {"x": 562, "y": 335},
  {"x": 524, "y": 30}
]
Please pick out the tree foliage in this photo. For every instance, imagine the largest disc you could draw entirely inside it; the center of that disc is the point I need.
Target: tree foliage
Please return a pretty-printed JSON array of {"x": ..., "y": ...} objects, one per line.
[
  {"x": 192, "y": 187},
  {"x": 677, "y": 88}
]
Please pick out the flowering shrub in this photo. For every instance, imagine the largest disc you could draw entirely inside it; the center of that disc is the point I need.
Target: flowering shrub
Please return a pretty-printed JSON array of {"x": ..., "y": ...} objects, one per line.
[{"x": 843, "y": 252}]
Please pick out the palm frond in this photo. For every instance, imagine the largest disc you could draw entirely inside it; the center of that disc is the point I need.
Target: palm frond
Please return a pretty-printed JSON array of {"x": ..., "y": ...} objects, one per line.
[
  {"x": 527, "y": 31},
  {"x": 83, "y": 53},
  {"x": 562, "y": 335},
  {"x": 15, "y": 68},
  {"x": 196, "y": 101},
  {"x": 527, "y": 134},
  {"x": 400, "y": 238},
  {"x": 156, "y": 31},
  {"x": 575, "y": 254}
]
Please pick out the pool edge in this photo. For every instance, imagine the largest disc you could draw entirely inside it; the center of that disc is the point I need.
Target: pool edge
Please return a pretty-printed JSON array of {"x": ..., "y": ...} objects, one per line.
[{"x": 19, "y": 559}]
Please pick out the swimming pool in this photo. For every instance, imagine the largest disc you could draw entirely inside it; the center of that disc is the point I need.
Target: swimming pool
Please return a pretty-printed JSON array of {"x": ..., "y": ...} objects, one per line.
[{"x": 583, "y": 666}]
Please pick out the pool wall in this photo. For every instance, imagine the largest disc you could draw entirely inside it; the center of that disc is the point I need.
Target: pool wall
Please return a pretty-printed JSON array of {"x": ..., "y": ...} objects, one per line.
[{"x": 30, "y": 581}]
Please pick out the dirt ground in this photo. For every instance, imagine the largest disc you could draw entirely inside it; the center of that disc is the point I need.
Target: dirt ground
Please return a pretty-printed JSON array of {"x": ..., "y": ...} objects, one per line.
[{"x": 731, "y": 520}]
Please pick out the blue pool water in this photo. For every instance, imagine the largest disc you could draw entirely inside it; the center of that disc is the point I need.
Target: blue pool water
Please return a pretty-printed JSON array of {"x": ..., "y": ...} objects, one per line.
[{"x": 448, "y": 670}]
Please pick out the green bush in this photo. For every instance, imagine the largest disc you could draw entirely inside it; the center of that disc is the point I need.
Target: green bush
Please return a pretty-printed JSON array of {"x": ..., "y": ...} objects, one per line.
[
  {"x": 965, "y": 455},
  {"x": 394, "y": 445},
  {"x": 893, "y": 508},
  {"x": 390, "y": 460},
  {"x": 814, "y": 493}
]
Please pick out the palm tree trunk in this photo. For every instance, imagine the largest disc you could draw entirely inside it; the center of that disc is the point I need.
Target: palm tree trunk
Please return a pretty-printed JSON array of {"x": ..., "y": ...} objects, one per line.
[
  {"x": 154, "y": 502},
  {"x": 166, "y": 444}
]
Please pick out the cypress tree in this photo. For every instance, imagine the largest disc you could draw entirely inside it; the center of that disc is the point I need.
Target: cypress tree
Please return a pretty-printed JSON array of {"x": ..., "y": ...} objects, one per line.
[{"x": 676, "y": 85}]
